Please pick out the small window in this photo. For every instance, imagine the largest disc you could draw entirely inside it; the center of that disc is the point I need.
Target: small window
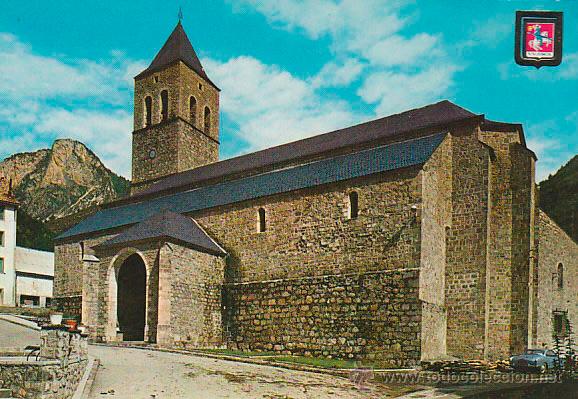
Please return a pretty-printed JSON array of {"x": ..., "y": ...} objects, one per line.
[
  {"x": 207, "y": 120},
  {"x": 200, "y": 86},
  {"x": 1, "y": 238},
  {"x": 560, "y": 276},
  {"x": 559, "y": 323},
  {"x": 81, "y": 251},
  {"x": 1, "y": 213},
  {"x": 353, "y": 205},
  {"x": 164, "y": 105},
  {"x": 148, "y": 111},
  {"x": 262, "y": 221},
  {"x": 156, "y": 79},
  {"x": 193, "y": 110},
  {"x": 1, "y": 265},
  {"x": 29, "y": 300}
]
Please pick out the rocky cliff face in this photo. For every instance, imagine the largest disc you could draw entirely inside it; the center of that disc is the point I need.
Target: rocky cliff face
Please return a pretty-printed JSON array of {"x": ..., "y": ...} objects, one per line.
[
  {"x": 559, "y": 197},
  {"x": 57, "y": 183}
]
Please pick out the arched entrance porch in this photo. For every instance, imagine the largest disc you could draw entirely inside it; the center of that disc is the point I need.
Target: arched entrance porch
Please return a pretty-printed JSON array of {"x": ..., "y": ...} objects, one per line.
[{"x": 131, "y": 298}]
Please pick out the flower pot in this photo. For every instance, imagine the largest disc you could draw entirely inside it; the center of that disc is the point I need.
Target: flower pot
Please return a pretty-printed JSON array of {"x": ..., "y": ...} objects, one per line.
[
  {"x": 71, "y": 323},
  {"x": 56, "y": 319}
]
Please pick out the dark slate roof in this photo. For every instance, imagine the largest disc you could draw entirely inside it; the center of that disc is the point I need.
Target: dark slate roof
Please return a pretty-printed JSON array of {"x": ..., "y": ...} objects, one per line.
[
  {"x": 177, "y": 47},
  {"x": 437, "y": 114},
  {"x": 169, "y": 225},
  {"x": 375, "y": 160}
]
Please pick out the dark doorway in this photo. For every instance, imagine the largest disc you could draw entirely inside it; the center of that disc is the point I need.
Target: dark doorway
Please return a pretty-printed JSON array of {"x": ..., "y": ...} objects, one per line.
[{"x": 131, "y": 298}]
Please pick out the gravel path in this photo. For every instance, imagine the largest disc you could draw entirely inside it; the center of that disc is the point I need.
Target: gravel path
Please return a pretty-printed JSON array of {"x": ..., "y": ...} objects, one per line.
[
  {"x": 15, "y": 336},
  {"x": 135, "y": 374}
]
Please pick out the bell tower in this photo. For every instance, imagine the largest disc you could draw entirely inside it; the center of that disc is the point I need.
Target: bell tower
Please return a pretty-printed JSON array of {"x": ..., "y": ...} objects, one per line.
[{"x": 176, "y": 114}]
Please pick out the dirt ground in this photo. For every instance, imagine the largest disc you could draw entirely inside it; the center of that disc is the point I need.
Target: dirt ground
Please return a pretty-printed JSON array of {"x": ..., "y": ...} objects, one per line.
[{"x": 135, "y": 373}]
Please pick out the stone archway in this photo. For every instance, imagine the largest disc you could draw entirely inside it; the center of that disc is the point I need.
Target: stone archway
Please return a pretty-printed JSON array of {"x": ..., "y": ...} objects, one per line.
[{"x": 131, "y": 298}]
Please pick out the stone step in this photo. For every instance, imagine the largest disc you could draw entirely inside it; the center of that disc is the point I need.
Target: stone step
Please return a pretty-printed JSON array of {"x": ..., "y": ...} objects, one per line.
[{"x": 6, "y": 393}]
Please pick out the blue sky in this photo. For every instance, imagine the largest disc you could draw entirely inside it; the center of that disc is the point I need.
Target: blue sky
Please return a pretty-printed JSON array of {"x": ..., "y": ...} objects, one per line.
[{"x": 288, "y": 69}]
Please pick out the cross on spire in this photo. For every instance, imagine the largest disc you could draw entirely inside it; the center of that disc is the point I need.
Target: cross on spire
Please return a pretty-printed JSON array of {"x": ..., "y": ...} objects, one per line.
[{"x": 180, "y": 14}]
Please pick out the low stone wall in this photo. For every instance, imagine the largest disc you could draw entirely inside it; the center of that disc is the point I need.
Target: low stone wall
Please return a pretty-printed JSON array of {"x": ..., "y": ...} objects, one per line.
[
  {"x": 55, "y": 375},
  {"x": 373, "y": 316},
  {"x": 71, "y": 305}
]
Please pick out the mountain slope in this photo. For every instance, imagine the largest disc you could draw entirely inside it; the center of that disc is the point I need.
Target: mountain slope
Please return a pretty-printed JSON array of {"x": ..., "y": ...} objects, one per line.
[
  {"x": 54, "y": 185},
  {"x": 559, "y": 197}
]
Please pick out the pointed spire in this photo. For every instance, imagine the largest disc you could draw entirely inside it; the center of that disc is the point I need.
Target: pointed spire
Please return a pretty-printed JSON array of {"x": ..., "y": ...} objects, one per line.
[{"x": 177, "y": 47}]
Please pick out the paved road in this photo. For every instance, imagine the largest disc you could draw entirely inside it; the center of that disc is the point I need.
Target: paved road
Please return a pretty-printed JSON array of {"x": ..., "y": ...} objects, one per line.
[
  {"x": 15, "y": 336},
  {"x": 136, "y": 373}
]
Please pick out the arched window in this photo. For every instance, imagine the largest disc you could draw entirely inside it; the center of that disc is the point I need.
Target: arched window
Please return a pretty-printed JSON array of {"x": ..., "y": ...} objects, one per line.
[
  {"x": 193, "y": 110},
  {"x": 164, "y": 105},
  {"x": 560, "y": 275},
  {"x": 353, "y": 205},
  {"x": 148, "y": 111},
  {"x": 262, "y": 221},
  {"x": 207, "y": 120}
]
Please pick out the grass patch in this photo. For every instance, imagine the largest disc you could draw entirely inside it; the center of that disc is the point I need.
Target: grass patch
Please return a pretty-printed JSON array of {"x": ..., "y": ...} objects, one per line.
[
  {"x": 35, "y": 312},
  {"x": 317, "y": 362},
  {"x": 230, "y": 352},
  {"x": 302, "y": 360}
]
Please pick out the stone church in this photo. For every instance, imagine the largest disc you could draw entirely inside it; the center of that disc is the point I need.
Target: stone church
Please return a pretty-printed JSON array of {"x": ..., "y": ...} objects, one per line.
[{"x": 406, "y": 238}]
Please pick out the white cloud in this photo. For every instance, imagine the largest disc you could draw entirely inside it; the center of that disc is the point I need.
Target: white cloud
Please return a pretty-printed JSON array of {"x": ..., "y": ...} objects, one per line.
[
  {"x": 47, "y": 97},
  {"x": 106, "y": 133},
  {"x": 395, "y": 92},
  {"x": 338, "y": 75},
  {"x": 542, "y": 138},
  {"x": 569, "y": 67},
  {"x": 270, "y": 106},
  {"x": 369, "y": 37},
  {"x": 355, "y": 23},
  {"x": 24, "y": 74},
  {"x": 490, "y": 33},
  {"x": 397, "y": 50}
]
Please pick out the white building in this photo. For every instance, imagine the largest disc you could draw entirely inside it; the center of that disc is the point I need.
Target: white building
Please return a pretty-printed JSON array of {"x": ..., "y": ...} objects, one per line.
[{"x": 26, "y": 275}]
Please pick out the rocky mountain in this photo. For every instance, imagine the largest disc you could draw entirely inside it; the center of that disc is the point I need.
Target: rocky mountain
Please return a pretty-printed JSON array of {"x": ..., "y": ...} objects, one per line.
[
  {"x": 57, "y": 184},
  {"x": 559, "y": 197}
]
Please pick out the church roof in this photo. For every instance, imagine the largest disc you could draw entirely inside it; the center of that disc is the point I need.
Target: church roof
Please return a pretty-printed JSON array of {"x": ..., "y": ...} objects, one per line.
[
  {"x": 177, "y": 47},
  {"x": 171, "y": 226},
  {"x": 378, "y": 159},
  {"x": 438, "y": 114}
]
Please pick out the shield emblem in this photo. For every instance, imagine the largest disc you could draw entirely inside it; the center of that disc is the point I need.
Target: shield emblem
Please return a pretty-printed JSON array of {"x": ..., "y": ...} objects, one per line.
[{"x": 538, "y": 38}]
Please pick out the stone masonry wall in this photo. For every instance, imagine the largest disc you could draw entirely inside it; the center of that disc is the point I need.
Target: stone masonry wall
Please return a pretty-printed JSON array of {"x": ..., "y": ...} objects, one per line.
[
  {"x": 178, "y": 147},
  {"x": 181, "y": 142},
  {"x": 436, "y": 215},
  {"x": 523, "y": 209},
  {"x": 509, "y": 244},
  {"x": 309, "y": 232},
  {"x": 465, "y": 285},
  {"x": 164, "y": 140},
  {"x": 56, "y": 376},
  {"x": 101, "y": 302},
  {"x": 195, "y": 280},
  {"x": 181, "y": 83},
  {"x": 67, "y": 270},
  {"x": 375, "y": 315},
  {"x": 555, "y": 247}
]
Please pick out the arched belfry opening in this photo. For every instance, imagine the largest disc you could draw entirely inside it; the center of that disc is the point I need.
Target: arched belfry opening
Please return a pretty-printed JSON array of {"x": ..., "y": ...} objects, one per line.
[{"x": 131, "y": 298}]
